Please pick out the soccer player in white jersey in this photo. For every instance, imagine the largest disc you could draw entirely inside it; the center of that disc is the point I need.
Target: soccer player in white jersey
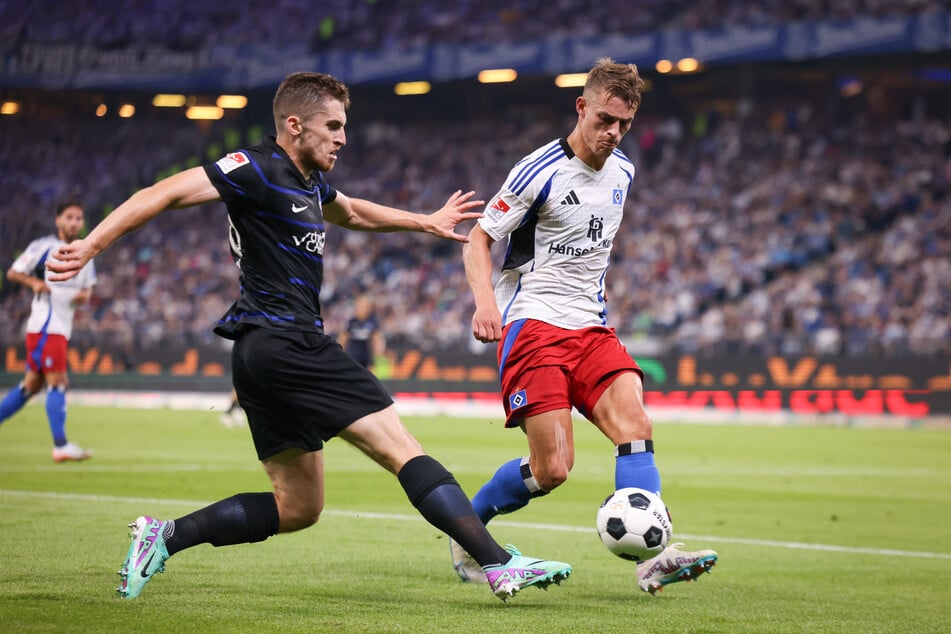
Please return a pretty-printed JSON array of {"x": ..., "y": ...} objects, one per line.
[
  {"x": 49, "y": 327},
  {"x": 560, "y": 209}
]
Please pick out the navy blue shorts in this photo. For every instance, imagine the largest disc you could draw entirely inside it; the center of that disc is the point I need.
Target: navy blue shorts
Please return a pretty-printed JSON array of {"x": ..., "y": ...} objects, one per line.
[{"x": 300, "y": 389}]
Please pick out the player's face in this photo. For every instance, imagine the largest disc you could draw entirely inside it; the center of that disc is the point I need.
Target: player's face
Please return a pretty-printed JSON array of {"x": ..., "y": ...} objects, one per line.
[
  {"x": 322, "y": 135},
  {"x": 69, "y": 223},
  {"x": 361, "y": 307},
  {"x": 603, "y": 120}
]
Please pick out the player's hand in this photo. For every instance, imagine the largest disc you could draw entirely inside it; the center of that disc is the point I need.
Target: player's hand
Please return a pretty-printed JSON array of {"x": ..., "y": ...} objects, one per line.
[
  {"x": 457, "y": 209},
  {"x": 487, "y": 324},
  {"x": 81, "y": 298},
  {"x": 39, "y": 286},
  {"x": 68, "y": 259}
]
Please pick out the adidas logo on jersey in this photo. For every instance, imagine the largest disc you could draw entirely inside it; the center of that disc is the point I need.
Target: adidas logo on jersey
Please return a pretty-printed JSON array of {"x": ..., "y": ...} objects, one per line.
[{"x": 571, "y": 199}]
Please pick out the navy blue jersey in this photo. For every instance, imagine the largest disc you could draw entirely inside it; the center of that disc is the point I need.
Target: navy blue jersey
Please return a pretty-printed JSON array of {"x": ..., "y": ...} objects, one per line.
[{"x": 277, "y": 238}]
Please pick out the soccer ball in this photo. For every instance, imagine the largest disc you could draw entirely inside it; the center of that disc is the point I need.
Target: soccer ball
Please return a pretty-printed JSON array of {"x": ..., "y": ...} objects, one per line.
[{"x": 634, "y": 524}]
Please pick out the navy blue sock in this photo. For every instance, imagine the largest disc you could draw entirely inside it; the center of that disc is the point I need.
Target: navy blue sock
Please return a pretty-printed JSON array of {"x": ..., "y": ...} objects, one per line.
[
  {"x": 510, "y": 488},
  {"x": 56, "y": 414},
  {"x": 14, "y": 400},
  {"x": 442, "y": 502},
  {"x": 244, "y": 518},
  {"x": 635, "y": 466}
]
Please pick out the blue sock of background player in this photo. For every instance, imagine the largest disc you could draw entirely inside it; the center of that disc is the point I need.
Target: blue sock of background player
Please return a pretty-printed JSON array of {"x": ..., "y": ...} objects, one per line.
[
  {"x": 14, "y": 400},
  {"x": 17, "y": 397},
  {"x": 56, "y": 414}
]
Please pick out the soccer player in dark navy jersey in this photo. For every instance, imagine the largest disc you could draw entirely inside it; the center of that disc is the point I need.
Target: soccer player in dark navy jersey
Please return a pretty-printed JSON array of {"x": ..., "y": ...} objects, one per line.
[
  {"x": 296, "y": 384},
  {"x": 277, "y": 237}
]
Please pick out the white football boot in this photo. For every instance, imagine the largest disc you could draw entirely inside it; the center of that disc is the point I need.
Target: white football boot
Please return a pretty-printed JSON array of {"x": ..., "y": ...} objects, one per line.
[{"x": 673, "y": 565}]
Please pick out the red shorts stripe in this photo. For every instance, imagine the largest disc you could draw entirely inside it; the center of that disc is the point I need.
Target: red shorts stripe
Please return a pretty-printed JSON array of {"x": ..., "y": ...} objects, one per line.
[
  {"x": 45, "y": 352},
  {"x": 544, "y": 368}
]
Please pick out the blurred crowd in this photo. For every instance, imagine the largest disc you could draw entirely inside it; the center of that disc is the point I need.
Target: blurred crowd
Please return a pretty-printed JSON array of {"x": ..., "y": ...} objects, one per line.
[
  {"x": 790, "y": 231},
  {"x": 141, "y": 295},
  {"x": 389, "y": 24},
  {"x": 773, "y": 227}
]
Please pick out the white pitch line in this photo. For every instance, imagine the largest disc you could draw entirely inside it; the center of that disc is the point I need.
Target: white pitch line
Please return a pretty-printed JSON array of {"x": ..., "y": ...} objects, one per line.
[{"x": 87, "y": 497}]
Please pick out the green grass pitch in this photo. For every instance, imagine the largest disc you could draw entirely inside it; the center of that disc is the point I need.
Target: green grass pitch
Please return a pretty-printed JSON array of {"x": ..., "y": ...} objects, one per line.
[{"x": 819, "y": 529}]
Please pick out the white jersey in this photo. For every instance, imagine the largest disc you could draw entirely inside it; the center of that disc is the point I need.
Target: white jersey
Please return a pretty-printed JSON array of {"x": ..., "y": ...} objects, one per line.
[
  {"x": 560, "y": 216},
  {"x": 52, "y": 312}
]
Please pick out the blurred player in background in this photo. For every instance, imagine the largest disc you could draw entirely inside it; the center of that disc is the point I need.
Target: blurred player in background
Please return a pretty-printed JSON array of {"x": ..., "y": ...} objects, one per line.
[
  {"x": 234, "y": 416},
  {"x": 363, "y": 340},
  {"x": 560, "y": 209},
  {"x": 297, "y": 386},
  {"x": 49, "y": 326}
]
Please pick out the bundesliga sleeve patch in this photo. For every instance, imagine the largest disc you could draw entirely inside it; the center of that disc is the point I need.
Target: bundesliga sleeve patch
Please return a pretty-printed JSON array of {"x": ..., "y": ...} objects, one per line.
[
  {"x": 497, "y": 208},
  {"x": 232, "y": 162}
]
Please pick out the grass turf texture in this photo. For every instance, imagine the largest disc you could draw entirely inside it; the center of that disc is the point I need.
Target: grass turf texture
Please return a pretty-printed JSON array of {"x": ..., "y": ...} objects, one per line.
[{"x": 818, "y": 529}]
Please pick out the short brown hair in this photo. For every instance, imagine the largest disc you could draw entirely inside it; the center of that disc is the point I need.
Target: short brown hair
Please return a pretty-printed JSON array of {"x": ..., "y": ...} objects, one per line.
[
  {"x": 301, "y": 93},
  {"x": 618, "y": 80},
  {"x": 63, "y": 206}
]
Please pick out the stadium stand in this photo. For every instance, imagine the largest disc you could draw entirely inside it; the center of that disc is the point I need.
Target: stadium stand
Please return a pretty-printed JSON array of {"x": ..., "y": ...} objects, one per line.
[
  {"x": 766, "y": 221},
  {"x": 371, "y": 24}
]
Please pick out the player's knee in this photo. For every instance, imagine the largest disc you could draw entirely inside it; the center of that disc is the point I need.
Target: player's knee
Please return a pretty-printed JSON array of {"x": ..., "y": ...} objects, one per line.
[
  {"x": 298, "y": 517},
  {"x": 640, "y": 426},
  {"x": 551, "y": 475},
  {"x": 552, "y": 481},
  {"x": 310, "y": 518},
  {"x": 56, "y": 381},
  {"x": 32, "y": 385},
  {"x": 297, "y": 522}
]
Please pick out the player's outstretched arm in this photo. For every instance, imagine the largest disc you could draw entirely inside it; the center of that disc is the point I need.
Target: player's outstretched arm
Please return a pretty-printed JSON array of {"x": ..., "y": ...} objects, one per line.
[
  {"x": 185, "y": 189},
  {"x": 364, "y": 215},
  {"x": 477, "y": 258}
]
